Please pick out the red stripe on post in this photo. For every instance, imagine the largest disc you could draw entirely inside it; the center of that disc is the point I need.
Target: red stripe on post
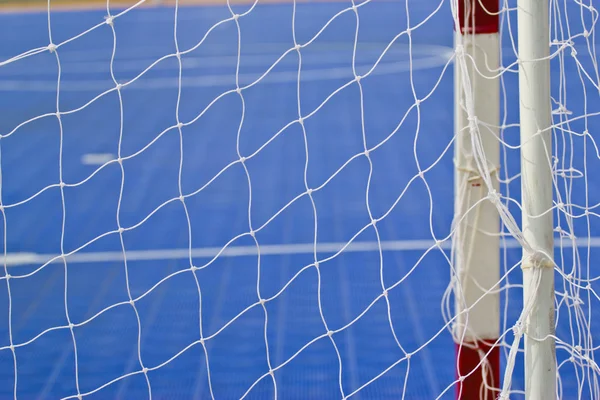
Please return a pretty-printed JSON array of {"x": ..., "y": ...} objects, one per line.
[
  {"x": 483, "y": 382},
  {"x": 478, "y": 16}
]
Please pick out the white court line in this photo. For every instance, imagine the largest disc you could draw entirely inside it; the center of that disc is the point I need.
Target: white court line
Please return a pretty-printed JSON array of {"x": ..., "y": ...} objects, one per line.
[
  {"x": 257, "y": 55},
  {"x": 97, "y": 158},
  {"x": 16, "y": 259},
  {"x": 329, "y": 56},
  {"x": 212, "y": 80}
]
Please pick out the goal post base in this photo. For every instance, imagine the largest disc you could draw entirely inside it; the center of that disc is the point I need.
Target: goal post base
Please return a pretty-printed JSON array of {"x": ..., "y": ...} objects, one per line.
[{"x": 480, "y": 379}]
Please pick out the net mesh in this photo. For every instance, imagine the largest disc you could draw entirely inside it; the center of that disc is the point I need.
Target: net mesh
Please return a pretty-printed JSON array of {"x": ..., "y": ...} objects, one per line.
[{"x": 254, "y": 200}]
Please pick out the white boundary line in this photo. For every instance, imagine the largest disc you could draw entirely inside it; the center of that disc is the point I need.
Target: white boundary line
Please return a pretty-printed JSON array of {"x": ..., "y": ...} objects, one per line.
[
  {"x": 97, "y": 158},
  {"x": 432, "y": 56},
  {"x": 215, "y": 80},
  {"x": 20, "y": 259},
  {"x": 333, "y": 54}
]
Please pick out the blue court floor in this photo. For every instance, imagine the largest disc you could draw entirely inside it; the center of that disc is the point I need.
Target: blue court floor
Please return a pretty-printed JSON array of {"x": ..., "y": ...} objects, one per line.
[{"x": 202, "y": 332}]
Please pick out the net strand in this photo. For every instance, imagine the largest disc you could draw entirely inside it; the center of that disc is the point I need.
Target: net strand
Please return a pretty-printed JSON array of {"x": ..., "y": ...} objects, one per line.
[{"x": 110, "y": 22}]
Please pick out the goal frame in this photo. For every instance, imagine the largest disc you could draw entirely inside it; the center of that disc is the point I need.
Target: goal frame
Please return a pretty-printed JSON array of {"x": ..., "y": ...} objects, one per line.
[
  {"x": 538, "y": 321},
  {"x": 476, "y": 227}
]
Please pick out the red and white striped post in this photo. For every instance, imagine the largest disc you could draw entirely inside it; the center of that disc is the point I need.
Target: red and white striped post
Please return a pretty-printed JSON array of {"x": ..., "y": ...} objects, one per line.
[{"x": 476, "y": 228}]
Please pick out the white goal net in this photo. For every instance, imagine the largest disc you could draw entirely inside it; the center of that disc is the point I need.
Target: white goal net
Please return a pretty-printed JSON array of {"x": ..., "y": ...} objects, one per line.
[{"x": 306, "y": 200}]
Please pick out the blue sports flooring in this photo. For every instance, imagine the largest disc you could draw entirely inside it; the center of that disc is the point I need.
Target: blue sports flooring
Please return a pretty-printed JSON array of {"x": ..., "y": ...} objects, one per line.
[{"x": 220, "y": 300}]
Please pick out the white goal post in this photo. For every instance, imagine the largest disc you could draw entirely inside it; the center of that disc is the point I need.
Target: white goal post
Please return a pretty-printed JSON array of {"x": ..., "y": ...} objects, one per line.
[{"x": 537, "y": 189}]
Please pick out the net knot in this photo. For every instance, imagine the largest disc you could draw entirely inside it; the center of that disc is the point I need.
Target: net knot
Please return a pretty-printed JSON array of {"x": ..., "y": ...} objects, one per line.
[
  {"x": 518, "y": 329},
  {"x": 537, "y": 260},
  {"x": 494, "y": 196},
  {"x": 109, "y": 20},
  {"x": 51, "y": 47}
]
